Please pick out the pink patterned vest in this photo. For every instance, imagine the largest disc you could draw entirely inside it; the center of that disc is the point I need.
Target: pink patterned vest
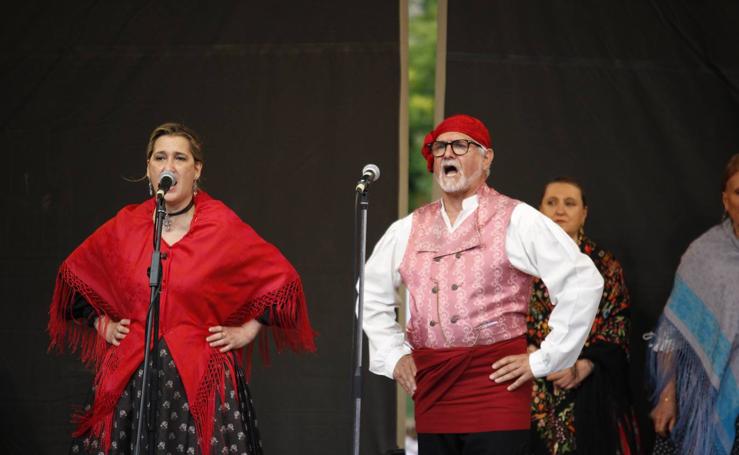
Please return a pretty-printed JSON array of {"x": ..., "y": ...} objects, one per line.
[{"x": 463, "y": 289}]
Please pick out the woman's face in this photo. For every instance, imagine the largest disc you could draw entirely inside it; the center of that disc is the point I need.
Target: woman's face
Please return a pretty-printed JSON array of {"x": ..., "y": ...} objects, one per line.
[
  {"x": 730, "y": 197},
  {"x": 562, "y": 203},
  {"x": 173, "y": 153}
]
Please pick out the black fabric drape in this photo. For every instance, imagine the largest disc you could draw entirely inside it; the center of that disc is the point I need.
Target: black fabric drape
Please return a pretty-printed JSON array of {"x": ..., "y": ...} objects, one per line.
[
  {"x": 637, "y": 100},
  {"x": 602, "y": 400},
  {"x": 291, "y": 100}
]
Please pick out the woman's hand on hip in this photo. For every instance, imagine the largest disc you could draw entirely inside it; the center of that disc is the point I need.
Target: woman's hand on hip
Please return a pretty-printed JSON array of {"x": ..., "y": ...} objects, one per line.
[
  {"x": 112, "y": 331},
  {"x": 572, "y": 377},
  {"x": 229, "y": 338}
]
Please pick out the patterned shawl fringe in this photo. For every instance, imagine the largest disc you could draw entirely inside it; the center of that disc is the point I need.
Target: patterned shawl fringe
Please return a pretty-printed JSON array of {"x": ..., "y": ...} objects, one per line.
[
  {"x": 66, "y": 332},
  {"x": 289, "y": 327},
  {"x": 99, "y": 420},
  {"x": 696, "y": 397},
  {"x": 204, "y": 407},
  {"x": 95, "y": 352}
]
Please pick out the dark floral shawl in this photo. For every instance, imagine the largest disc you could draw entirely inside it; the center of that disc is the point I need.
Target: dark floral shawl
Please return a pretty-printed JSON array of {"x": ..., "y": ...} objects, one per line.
[{"x": 601, "y": 403}]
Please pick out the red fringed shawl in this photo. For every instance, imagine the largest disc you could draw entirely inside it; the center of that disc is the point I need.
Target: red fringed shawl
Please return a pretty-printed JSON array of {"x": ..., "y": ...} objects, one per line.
[{"x": 220, "y": 273}]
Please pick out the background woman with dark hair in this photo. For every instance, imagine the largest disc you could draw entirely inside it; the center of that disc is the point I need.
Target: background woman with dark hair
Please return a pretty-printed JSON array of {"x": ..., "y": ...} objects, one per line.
[
  {"x": 221, "y": 283},
  {"x": 584, "y": 409}
]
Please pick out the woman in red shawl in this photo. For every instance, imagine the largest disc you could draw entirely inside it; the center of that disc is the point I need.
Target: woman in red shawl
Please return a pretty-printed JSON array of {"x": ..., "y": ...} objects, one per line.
[{"x": 222, "y": 285}]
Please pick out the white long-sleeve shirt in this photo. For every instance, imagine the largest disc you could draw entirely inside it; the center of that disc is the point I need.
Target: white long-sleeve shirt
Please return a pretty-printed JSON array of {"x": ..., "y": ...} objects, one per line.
[{"x": 535, "y": 245}]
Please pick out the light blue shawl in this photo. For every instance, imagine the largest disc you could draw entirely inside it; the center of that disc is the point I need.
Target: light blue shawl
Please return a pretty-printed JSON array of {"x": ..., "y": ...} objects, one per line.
[{"x": 696, "y": 338}]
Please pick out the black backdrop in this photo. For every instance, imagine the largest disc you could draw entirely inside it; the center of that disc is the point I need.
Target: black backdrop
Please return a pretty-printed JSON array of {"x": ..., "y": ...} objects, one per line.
[
  {"x": 291, "y": 99},
  {"x": 637, "y": 99}
]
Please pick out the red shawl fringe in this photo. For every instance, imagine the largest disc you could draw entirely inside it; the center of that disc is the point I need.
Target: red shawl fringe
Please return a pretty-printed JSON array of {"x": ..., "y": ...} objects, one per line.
[
  {"x": 99, "y": 420},
  {"x": 204, "y": 406},
  {"x": 290, "y": 327},
  {"x": 95, "y": 352},
  {"x": 76, "y": 335}
]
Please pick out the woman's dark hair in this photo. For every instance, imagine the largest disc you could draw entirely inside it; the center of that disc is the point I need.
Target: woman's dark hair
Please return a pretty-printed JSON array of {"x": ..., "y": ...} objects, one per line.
[
  {"x": 732, "y": 167},
  {"x": 569, "y": 180}
]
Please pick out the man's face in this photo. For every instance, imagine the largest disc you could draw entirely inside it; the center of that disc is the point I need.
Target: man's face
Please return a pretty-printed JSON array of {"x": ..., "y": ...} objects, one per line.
[{"x": 461, "y": 174}]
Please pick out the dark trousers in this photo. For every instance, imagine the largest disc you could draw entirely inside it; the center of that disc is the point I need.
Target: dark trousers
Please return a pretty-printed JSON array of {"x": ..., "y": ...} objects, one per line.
[{"x": 487, "y": 443}]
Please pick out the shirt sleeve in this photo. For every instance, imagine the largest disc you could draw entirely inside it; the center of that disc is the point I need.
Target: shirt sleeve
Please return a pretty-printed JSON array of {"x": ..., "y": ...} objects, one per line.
[
  {"x": 539, "y": 247},
  {"x": 387, "y": 342}
]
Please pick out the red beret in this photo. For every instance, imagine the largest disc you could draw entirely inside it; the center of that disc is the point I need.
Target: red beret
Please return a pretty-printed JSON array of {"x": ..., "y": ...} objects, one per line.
[{"x": 465, "y": 124}]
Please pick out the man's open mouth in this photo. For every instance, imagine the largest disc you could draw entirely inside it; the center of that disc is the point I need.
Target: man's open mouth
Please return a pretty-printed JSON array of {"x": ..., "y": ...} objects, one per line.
[{"x": 450, "y": 169}]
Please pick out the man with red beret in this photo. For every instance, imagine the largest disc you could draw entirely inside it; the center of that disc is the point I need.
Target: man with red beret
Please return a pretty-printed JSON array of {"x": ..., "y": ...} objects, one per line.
[{"x": 467, "y": 262}]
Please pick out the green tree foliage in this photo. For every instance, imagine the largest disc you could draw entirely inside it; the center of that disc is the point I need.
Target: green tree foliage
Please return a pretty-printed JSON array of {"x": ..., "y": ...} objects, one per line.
[
  {"x": 421, "y": 79},
  {"x": 421, "y": 76}
]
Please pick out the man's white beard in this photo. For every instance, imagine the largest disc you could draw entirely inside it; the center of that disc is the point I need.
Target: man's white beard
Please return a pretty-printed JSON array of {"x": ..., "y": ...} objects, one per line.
[{"x": 458, "y": 183}]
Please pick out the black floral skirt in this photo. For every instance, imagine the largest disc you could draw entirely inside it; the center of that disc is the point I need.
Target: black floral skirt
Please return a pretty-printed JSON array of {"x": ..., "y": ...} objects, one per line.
[{"x": 235, "y": 424}]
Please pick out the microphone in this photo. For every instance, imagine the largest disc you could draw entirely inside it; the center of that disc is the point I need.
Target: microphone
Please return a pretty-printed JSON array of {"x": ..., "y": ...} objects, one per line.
[
  {"x": 166, "y": 181},
  {"x": 370, "y": 173}
]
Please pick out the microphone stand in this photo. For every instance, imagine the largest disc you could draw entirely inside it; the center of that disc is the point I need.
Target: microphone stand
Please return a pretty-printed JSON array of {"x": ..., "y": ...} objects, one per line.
[
  {"x": 152, "y": 332},
  {"x": 360, "y": 239}
]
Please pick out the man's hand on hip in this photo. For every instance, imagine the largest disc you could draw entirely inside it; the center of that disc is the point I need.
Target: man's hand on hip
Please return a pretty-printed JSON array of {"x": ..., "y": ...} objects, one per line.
[
  {"x": 514, "y": 368},
  {"x": 405, "y": 373}
]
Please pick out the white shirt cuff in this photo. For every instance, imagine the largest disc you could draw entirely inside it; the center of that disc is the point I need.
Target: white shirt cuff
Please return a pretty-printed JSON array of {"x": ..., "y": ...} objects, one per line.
[
  {"x": 386, "y": 366},
  {"x": 540, "y": 363}
]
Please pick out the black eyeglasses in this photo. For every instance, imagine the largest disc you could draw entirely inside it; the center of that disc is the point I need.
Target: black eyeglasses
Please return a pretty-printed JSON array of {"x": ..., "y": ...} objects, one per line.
[{"x": 459, "y": 147}]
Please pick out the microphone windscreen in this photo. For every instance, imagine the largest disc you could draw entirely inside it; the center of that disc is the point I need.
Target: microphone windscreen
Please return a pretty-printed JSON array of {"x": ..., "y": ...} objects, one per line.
[
  {"x": 167, "y": 179},
  {"x": 374, "y": 170}
]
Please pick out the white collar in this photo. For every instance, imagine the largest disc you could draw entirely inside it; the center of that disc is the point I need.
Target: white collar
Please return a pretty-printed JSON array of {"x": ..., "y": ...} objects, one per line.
[{"x": 469, "y": 205}]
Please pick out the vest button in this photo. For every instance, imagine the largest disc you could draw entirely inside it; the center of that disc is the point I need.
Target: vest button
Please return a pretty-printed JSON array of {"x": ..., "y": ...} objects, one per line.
[
  {"x": 432, "y": 323},
  {"x": 455, "y": 287},
  {"x": 454, "y": 319},
  {"x": 458, "y": 255},
  {"x": 434, "y": 289}
]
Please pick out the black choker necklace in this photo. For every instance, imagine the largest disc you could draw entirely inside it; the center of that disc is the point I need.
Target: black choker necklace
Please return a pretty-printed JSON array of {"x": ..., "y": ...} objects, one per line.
[{"x": 168, "y": 216}]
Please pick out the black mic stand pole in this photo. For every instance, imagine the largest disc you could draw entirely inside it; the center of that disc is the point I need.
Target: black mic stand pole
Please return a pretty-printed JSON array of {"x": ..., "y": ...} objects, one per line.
[
  {"x": 360, "y": 237},
  {"x": 152, "y": 332}
]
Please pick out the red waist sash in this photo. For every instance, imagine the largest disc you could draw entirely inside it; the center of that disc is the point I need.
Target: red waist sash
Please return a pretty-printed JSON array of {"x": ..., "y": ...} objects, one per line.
[{"x": 454, "y": 393}]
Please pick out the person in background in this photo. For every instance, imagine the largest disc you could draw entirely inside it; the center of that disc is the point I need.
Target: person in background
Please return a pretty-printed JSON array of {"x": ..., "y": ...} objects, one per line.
[
  {"x": 221, "y": 285},
  {"x": 467, "y": 261},
  {"x": 694, "y": 351},
  {"x": 585, "y": 408}
]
